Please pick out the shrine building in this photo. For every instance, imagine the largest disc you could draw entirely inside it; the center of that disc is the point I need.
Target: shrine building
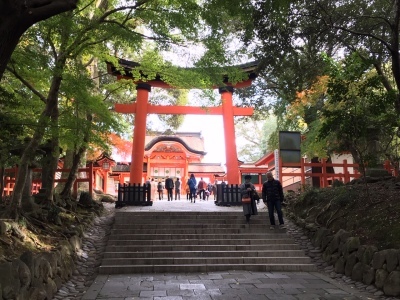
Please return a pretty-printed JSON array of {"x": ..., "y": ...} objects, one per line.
[{"x": 177, "y": 156}]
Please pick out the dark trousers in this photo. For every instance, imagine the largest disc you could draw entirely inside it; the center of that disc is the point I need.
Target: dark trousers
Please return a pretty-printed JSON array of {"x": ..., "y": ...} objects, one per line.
[
  {"x": 178, "y": 194},
  {"x": 202, "y": 194},
  {"x": 192, "y": 195},
  {"x": 169, "y": 194},
  {"x": 272, "y": 205}
]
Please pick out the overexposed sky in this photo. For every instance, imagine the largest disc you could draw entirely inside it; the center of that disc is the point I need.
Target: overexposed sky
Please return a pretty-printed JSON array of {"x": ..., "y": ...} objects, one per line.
[{"x": 212, "y": 130}]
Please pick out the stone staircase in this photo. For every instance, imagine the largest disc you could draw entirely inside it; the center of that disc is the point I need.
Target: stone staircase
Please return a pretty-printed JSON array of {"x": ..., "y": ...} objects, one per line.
[{"x": 184, "y": 242}]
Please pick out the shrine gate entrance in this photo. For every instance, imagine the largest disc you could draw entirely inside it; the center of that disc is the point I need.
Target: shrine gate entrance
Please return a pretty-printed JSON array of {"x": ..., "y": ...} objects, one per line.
[{"x": 142, "y": 107}]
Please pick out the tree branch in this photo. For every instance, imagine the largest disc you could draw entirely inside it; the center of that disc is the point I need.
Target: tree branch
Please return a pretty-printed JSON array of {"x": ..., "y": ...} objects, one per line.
[{"x": 27, "y": 84}]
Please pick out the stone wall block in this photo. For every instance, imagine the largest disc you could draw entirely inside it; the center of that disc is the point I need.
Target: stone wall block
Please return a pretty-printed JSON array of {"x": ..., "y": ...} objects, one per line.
[
  {"x": 37, "y": 294},
  {"x": 58, "y": 281},
  {"x": 28, "y": 258},
  {"x": 327, "y": 255},
  {"x": 24, "y": 274},
  {"x": 339, "y": 265},
  {"x": 343, "y": 235},
  {"x": 352, "y": 244},
  {"x": 42, "y": 269},
  {"x": 379, "y": 259},
  {"x": 334, "y": 258},
  {"x": 360, "y": 252},
  {"x": 391, "y": 286},
  {"x": 392, "y": 259},
  {"x": 51, "y": 258},
  {"x": 380, "y": 277},
  {"x": 319, "y": 235},
  {"x": 369, "y": 254},
  {"x": 50, "y": 288},
  {"x": 350, "y": 263},
  {"x": 368, "y": 275},
  {"x": 357, "y": 272},
  {"x": 65, "y": 249},
  {"x": 9, "y": 281},
  {"x": 334, "y": 244},
  {"x": 325, "y": 241},
  {"x": 76, "y": 243}
]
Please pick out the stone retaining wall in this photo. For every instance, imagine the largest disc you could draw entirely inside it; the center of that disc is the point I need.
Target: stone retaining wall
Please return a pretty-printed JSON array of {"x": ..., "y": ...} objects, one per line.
[
  {"x": 361, "y": 263},
  {"x": 39, "y": 276}
]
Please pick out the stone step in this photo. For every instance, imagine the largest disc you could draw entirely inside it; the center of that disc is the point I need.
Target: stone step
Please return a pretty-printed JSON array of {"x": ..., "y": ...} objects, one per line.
[
  {"x": 141, "y": 248},
  {"x": 248, "y": 253},
  {"x": 189, "y": 221},
  {"x": 205, "y": 260},
  {"x": 199, "y": 242},
  {"x": 202, "y": 236},
  {"x": 242, "y": 225},
  {"x": 159, "y": 242},
  {"x": 132, "y": 269},
  {"x": 238, "y": 230}
]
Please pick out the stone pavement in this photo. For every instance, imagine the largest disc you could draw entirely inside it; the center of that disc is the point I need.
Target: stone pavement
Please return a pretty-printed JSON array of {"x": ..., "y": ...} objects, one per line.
[{"x": 85, "y": 285}]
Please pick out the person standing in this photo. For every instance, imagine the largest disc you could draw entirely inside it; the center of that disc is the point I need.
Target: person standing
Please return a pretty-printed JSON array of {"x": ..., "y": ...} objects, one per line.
[
  {"x": 160, "y": 190},
  {"x": 202, "y": 189},
  {"x": 177, "y": 189},
  {"x": 214, "y": 189},
  {"x": 169, "y": 186},
  {"x": 272, "y": 194},
  {"x": 192, "y": 182},
  {"x": 153, "y": 185},
  {"x": 248, "y": 189}
]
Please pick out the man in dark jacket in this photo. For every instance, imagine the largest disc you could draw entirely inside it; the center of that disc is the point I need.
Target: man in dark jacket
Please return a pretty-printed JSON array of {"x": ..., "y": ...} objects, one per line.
[
  {"x": 272, "y": 194},
  {"x": 169, "y": 186}
]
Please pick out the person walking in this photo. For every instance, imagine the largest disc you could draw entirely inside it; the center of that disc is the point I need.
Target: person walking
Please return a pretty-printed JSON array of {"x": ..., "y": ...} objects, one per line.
[
  {"x": 177, "y": 189},
  {"x": 169, "y": 186},
  {"x": 202, "y": 189},
  {"x": 192, "y": 182},
  {"x": 248, "y": 189},
  {"x": 272, "y": 194}
]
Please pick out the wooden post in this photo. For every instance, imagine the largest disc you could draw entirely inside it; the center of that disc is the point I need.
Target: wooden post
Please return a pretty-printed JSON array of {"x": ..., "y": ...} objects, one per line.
[
  {"x": 324, "y": 174},
  {"x": 232, "y": 166},
  {"x": 139, "y": 133},
  {"x": 91, "y": 179},
  {"x": 346, "y": 171},
  {"x": 302, "y": 173}
]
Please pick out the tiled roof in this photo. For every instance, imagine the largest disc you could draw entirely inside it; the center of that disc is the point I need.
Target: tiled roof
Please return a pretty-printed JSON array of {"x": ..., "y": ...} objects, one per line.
[{"x": 193, "y": 141}]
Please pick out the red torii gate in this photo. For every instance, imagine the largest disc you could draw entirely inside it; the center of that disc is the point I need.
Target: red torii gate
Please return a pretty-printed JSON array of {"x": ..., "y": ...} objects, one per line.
[{"x": 141, "y": 108}]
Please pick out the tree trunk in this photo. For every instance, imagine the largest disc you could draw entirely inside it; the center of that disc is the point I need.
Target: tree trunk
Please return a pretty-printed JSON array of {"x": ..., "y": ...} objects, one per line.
[
  {"x": 73, "y": 174},
  {"x": 28, "y": 155},
  {"x": 77, "y": 158},
  {"x": 16, "y": 16},
  {"x": 2, "y": 171},
  {"x": 68, "y": 161}
]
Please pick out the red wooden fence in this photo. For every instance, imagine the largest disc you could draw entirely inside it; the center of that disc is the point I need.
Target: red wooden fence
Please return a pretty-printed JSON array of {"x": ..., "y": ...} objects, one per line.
[
  {"x": 300, "y": 171},
  {"x": 10, "y": 175}
]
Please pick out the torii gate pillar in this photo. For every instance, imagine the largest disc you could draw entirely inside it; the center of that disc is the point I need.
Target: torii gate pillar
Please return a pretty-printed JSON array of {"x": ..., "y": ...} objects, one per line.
[
  {"x": 232, "y": 165},
  {"x": 139, "y": 132}
]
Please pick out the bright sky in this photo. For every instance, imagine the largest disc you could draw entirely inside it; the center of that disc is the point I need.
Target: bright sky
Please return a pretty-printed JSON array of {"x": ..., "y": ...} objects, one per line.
[{"x": 212, "y": 130}]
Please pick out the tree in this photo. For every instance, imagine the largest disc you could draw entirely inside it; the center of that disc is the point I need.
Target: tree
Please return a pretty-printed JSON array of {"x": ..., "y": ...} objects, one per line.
[
  {"x": 308, "y": 28},
  {"x": 62, "y": 48},
  {"x": 255, "y": 135},
  {"x": 18, "y": 15}
]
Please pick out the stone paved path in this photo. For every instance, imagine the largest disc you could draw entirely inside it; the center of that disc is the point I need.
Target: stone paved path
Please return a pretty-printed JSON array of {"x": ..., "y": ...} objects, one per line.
[{"x": 85, "y": 284}]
